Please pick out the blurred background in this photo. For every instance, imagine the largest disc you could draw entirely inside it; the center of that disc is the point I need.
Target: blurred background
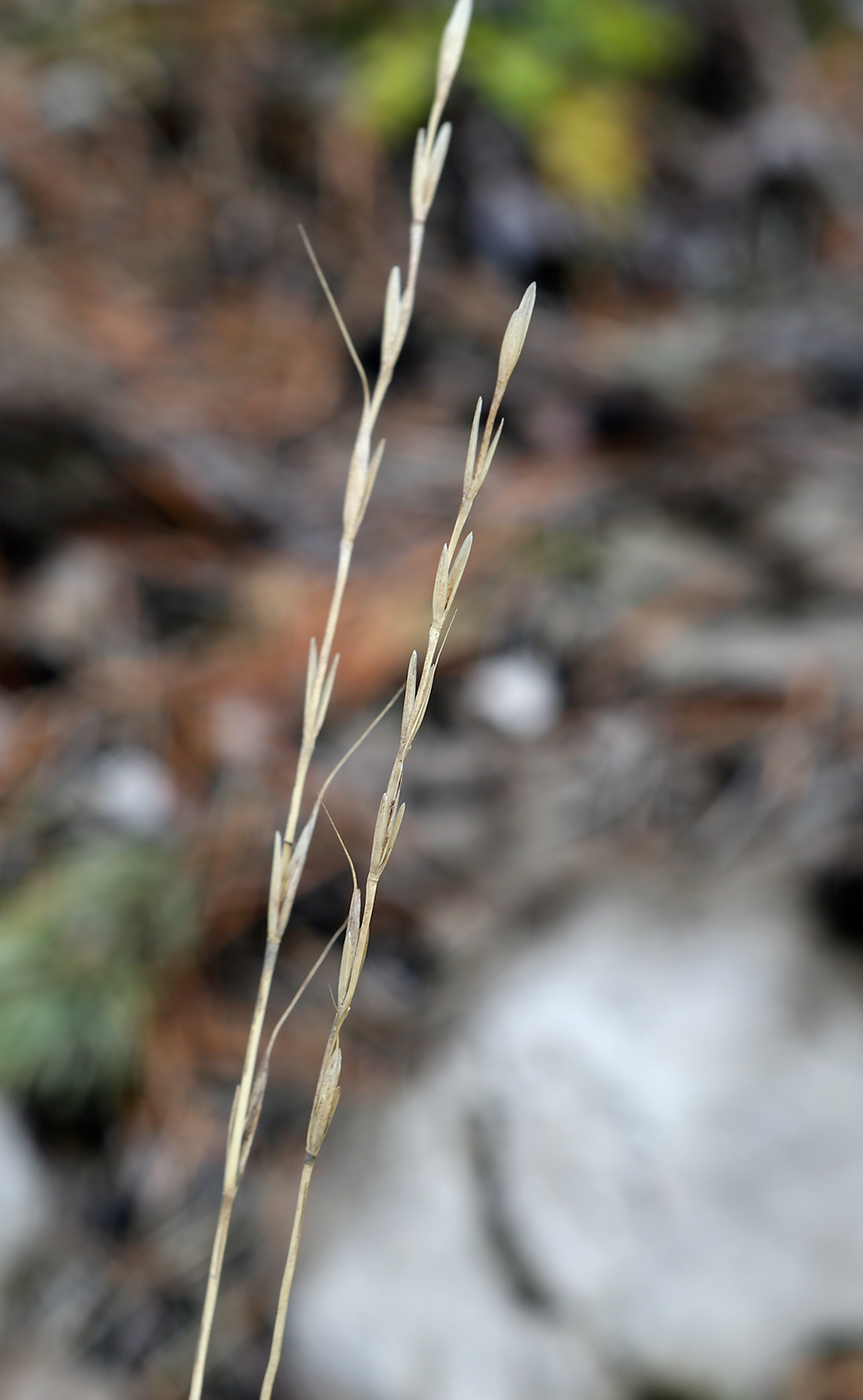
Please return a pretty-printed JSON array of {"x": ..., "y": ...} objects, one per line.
[{"x": 602, "y": 1127}]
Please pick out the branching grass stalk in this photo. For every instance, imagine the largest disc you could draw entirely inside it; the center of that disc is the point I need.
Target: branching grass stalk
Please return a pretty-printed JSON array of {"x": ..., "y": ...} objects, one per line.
[
  {"x": 417, "y": 692},
  {"x": 290, "y": 851}
]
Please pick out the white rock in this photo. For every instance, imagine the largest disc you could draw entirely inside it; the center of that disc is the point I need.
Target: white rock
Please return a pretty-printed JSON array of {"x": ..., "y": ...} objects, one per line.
[
  {"x": 132, "y": 789},
  {"x": 641, "y": 1160},
  {"x": 24, "y": 1197},
  {"x": 518, "y": 693}
]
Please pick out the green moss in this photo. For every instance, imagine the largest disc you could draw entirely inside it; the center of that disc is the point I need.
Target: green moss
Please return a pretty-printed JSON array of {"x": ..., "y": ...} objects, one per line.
[{"x": 85, "y": 946}]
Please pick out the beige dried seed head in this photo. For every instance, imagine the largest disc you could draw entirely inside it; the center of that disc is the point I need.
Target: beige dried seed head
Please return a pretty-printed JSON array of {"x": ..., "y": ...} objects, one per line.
[
  {"x": 326, "y": 1099},
  {"x": 487, "y": 458},
  {"x": 349, "y": 947},
  {"x": 422, "y": 700},
  {"x": 470, "y": 461},
  {"x": 392, "y": 836},
  {"x": 371, "y": 478},
  {"x": 356, "y": 490},
  {"x": 293, "y": 867},
  {"x": 392, "y": 315},
  {"x": 394, "y": 786},
  {"x": 435, "y": 165},
  {"x": 452, "y": 45},
  {"x": 439, "y": 593},
  {"x": 458, "y": 568},
  {"x": 514, "y": 336},
  {"x": 326, "y": 695},
  {"x": 380, "y": 833},
  {"x": 410, "y": 694}
]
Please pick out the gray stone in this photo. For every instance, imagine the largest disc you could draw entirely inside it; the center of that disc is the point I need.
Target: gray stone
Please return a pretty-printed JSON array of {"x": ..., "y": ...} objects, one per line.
[{"x": 640, "y": 1159}]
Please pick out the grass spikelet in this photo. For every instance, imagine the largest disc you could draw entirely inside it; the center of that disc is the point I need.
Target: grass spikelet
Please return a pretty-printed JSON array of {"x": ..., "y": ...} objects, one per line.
[
  {"x": 486, "y": 461},
  {"x": 326, "y": 1098},
  {"x": 349, "y": 948},
  {"x": 458, "y": 568},
  {"x": 452, "y": 46},
  {"x": 470, "y": 462},
  {"x": 326, "y": 695},
  {"x": 439, "y": 593},
  {"x": 513, "y": 340},
  {"x": 392, "y": 314},
  {"x": 410, "y": 694}
]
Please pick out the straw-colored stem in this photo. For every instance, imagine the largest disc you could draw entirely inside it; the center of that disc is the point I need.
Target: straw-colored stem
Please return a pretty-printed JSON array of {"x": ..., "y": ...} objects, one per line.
[
  {"x": 214, "y": 1275},
  {"x": 287, "y": 1281},
  {"x": 232, "y": 1160}
]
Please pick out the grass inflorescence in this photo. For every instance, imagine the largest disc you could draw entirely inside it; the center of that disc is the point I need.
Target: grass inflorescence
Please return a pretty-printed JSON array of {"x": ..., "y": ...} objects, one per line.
[{"x": 290, "y": 848}]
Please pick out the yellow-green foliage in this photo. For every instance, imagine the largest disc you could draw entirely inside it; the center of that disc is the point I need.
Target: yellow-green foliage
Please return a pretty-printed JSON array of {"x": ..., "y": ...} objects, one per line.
[
  {"x": 83, "y": 947},
  {"x": 565, "y": 71}
]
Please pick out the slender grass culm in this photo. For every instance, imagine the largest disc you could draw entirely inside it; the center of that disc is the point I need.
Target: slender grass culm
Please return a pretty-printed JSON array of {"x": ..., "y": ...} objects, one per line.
[{"x": 291, "y": 849}]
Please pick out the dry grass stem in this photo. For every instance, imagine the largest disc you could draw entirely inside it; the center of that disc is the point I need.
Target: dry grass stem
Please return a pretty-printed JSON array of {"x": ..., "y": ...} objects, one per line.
[{"x": 290, "y": 853}]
